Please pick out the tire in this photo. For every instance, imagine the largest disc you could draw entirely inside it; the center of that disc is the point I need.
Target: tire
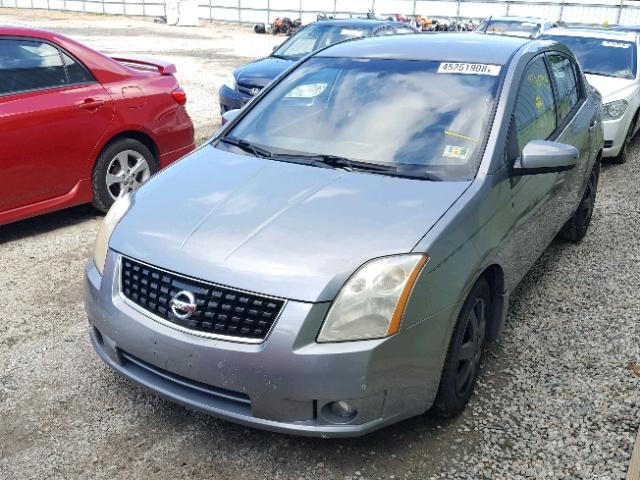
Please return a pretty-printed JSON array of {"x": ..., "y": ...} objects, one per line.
[
  {"x": 624, "y": 151},
  {"x": 576, "y": 228},
  {"x": 465, "y": 352},
  {"x": 122, "y": 166}
]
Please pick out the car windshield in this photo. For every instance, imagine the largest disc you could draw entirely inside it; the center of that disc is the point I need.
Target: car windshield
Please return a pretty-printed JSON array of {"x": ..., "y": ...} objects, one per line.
[
  {"x": 509, "y": 26},
  {"x": 425, "y": 117},
  {"x": 317, "y": 36},
  {"x": 599, "y": 56}
]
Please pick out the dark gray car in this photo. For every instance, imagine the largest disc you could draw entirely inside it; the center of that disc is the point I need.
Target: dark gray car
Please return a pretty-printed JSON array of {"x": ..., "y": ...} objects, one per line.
[{"x": 337, "y": 257}]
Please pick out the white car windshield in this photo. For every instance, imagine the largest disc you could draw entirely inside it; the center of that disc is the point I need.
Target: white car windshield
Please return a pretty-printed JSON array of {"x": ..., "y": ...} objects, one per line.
[
  {"x": 317, "y": 36},
  {"x": 509, "y": 26},
  {"x": 597, "y": 56}
]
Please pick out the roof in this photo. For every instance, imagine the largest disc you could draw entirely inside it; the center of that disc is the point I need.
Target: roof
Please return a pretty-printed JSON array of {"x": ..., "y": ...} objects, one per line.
[
  {"x": 452, "y": 47},
  {"x": 360, "y": 22},
  {"x": 603, "y": 33},
  {"x": 20, "y": 31},
  {"x": 519, "y": 19}
]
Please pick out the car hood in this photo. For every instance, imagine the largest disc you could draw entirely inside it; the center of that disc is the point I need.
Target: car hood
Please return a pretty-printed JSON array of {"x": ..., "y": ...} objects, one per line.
[
  {"x": 611, "y": 88},
  {"x": 276, "y": 228},
  {"x": 261, "y": 72}
]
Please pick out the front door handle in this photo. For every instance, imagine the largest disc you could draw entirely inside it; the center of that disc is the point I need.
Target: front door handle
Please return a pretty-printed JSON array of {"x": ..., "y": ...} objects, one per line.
[
  {"x": 594, "y": 124},
  {"x": 91, "y": 104}
]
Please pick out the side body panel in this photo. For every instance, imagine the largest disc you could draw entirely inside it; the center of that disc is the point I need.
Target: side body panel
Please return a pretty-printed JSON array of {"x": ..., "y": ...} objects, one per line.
[
  {"x": 502, "y": 220},
  {"x": 47, "y": 136}
]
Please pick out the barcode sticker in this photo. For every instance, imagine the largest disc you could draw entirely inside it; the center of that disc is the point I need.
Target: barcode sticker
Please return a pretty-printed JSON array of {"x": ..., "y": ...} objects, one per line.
[{"x": 470, "y": 68}]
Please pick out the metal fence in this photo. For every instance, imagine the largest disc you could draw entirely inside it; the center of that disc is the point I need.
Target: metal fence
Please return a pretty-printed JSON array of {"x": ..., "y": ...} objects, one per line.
[
  {"x": 149, "y": 8},
  {"x": 626, "y": 12}
]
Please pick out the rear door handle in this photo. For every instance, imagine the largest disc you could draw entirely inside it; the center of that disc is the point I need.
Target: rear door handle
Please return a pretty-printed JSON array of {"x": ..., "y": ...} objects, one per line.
[{"x": 91, "y": 104}]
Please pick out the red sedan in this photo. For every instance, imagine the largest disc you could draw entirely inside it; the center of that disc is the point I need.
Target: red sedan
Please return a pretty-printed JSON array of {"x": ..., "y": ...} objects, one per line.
[{"x": 77, "y": 126}]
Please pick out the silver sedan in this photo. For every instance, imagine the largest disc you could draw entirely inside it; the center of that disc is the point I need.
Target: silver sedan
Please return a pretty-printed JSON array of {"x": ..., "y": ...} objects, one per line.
[{"x": 336, "y": 258}]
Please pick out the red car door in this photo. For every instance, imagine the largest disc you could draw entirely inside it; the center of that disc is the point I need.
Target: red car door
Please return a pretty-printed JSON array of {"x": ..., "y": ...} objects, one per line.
[{"x": 52, "y": 115}]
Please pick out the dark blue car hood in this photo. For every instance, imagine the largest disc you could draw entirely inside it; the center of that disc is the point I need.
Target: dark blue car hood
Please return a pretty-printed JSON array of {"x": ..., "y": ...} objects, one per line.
[{"x": 261, "y": 72}]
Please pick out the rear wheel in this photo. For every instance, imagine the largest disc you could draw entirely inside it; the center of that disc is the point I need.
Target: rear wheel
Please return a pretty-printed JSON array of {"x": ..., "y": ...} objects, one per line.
[
  {"x": 576, "y": 228},
  {"x": 465, "y": 352},
  {"x": 122, "y": 167}
]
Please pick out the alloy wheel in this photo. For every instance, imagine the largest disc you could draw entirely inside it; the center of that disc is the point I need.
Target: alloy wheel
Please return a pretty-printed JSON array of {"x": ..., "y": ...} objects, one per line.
[{"x": 126, "y": 172}]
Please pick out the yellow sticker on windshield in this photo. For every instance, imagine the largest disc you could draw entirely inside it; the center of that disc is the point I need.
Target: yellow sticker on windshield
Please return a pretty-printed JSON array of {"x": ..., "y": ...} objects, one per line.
[
  {"x": 539, "y": 102},
  {"x": 453, "y": 151},
  {"x": 461, "y": 136}
]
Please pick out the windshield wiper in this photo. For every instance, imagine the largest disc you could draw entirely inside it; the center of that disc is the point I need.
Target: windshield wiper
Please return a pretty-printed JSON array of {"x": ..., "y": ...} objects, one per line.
[
  {"x": 247, "y": 147},
  {"x": 335, "y": 161},
  {"x": 283, "y": 57}
]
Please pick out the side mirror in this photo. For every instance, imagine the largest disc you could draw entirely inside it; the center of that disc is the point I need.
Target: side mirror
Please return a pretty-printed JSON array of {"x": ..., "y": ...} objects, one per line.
[
  {"x": 542, "y": 156},
  {"x": 275, "y": 47},
  {"x": 229, "y": 116}
]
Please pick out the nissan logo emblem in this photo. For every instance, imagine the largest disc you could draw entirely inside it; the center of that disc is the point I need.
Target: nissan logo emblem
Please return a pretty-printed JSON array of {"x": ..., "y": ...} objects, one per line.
[{"x": 183, "y": 304}]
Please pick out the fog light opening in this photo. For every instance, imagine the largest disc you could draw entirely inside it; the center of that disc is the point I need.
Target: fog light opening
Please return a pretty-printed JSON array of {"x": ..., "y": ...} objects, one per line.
[
  {"x": 343, "y": 409},
  {"x": 340, "y": 411}
]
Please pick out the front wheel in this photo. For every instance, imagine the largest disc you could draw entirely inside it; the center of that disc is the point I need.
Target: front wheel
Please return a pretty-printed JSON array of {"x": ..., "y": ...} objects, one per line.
[
  {"x": 465, "y": 352},
  {"x": 122, "y": 167},
  {"x": 576, "y": 228}
]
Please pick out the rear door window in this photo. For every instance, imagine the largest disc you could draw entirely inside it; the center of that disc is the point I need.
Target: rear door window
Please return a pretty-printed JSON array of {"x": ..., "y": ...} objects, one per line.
[
  {"x": 29, "y": 65},
  {"x": 566, "y": 84},
  {"x": 77, "y": 72},
  {"x": 535, "y": 112}
]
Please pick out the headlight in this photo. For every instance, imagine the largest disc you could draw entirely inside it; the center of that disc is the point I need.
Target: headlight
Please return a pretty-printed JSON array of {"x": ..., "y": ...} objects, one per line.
[
  {"x": 371, "y": 303},
  {"x": 111, "y": 219},
  {"x": 615, "y": 109},
  {"x": 230, "y": 81}
]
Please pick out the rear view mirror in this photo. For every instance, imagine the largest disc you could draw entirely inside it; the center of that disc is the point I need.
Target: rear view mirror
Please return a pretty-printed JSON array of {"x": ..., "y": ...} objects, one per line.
[
  {"x": 229, "y": 116},
  {"x": 543, "y": 156}
]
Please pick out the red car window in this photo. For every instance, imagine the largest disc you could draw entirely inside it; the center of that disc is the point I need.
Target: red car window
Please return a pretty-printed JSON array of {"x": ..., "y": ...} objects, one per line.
[{"x": 29, "y": 65}]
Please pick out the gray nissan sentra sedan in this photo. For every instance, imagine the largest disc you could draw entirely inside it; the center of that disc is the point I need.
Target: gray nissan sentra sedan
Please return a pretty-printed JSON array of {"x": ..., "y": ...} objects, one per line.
[{"x": 335, "y": 259}]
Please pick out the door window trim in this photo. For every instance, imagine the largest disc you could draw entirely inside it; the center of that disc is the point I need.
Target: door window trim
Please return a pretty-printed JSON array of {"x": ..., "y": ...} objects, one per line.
[
  {"x": 561, "y": 124},
  {"x": 60, "y": 50},
  {"x": 554, "y": 134}
]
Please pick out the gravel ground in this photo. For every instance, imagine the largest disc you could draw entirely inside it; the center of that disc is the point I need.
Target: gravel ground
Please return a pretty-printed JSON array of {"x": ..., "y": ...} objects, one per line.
[{"x": 558, "y": 397}]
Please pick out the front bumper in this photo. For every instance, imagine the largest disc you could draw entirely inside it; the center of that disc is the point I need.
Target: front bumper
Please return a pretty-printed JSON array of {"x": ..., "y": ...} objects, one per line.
[
  {"x": 283, "y": 384},
  {"x": 231, "y": 99},
  {"x": 614, "y": 132}
]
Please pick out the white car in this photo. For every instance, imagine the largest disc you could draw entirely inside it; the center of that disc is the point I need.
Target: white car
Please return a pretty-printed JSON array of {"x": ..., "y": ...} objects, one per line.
[
  {"x": 527, "y": 27},
  {"x": 610, "y": 61}
]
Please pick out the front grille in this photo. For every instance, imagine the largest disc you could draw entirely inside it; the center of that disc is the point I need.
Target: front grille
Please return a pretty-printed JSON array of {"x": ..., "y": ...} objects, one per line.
[
  {"x": 246, "y": 88},
  {"x": 221, "y": 311},
  {"x": 608, "y": 143}
]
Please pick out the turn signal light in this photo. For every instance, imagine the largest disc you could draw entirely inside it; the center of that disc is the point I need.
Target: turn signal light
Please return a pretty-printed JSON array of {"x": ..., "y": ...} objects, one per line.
[{"x": 179, "y": 96}]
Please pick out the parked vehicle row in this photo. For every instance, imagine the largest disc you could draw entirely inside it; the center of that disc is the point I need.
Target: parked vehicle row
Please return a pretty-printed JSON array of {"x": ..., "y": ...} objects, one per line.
[{"x": 335, "y": 259}]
